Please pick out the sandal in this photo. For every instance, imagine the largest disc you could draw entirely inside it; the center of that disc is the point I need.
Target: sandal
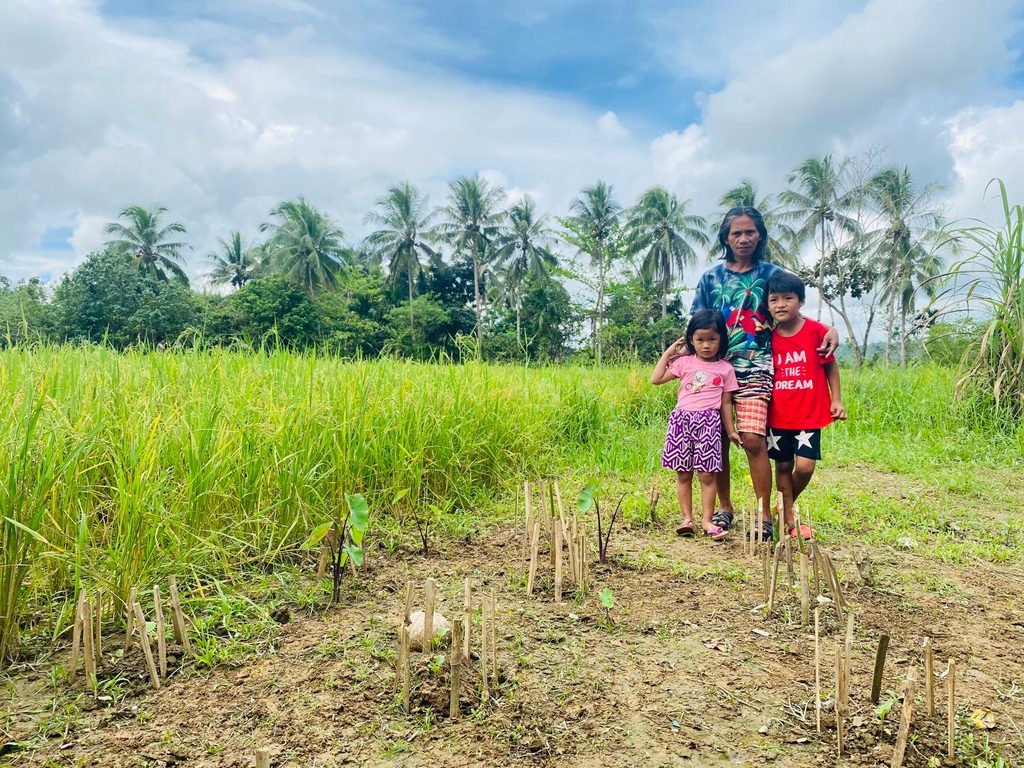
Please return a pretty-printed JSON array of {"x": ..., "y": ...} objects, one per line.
[
  {"x": 687, "y": 528},
  {"x": 723, "y": 519},
  {"x": 763, "y": 530},
  {"x": 806, "y": 532},
  {"x": 716, "y": 533}
]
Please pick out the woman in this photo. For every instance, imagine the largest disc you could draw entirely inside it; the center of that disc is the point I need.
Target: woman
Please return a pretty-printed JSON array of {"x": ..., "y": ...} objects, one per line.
[{"x": 737, "y": 288}]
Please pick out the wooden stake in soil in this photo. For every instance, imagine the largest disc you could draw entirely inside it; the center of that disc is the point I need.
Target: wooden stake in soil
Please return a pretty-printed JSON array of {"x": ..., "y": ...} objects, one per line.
[
  {"x": 567, "y": 539},
  {"x": 764, "y": 570},
  {"x": 98, "y": 646},
  {"x": 494, "y": 636},
  {"x": 161, "y": 638},
  {"x": 484, "y": 666},
  {"x": 951, "y": 708},
  {"x": 812, "y": 552},
  {"x": 908, "y": 711},
  {"x": 817, "y": 668},
  {"x": 805, "y": 594},
  {"x": 929, "y": 677},
  {"x": 876, "y": 678},
  {"x": 129, "y": 619},
  {"x": 408, "y": 601},
  {"x": 527, "y": 517},
  {"x": 147, "y": 650},
  {"x": 775, "y": 579},
  {"x": 76, "y": 636},
  {"x": 403, "y": 665},
  {"x": 467, "y": 605},
  {"x": 534, "y": 541},
  {"x": 88, "y": 652},
  {"x": 263, "y": 758},
  {"x": 581, "y": 553},
  {"x": 840, "y": 677},
  {"x": 847, "y": 652},
  {"x": 178, "y": 617},
  {"x": 456, "y": 668},
  {"x": 754, "y": 515},
  {"x": 558, "y": 561},
  {"x": 428, "y": 617}
]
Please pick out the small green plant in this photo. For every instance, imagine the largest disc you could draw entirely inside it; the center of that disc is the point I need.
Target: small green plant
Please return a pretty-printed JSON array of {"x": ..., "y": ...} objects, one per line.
[
  {"x": 587, "y": 499},
  {"x": 345, "y": 539},
  {"x": 608, "y": 602}
]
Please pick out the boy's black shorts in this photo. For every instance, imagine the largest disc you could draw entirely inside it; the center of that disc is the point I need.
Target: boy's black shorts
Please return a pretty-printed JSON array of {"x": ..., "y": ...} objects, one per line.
[{"x": 783, "y": 444}]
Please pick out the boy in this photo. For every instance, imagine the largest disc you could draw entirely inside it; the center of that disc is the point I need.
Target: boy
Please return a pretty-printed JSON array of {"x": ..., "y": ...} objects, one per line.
[{"x": 806, "y": 395}]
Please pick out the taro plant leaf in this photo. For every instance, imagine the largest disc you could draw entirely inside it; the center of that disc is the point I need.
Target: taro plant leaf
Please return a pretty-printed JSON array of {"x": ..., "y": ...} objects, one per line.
[
  {"x": 359, "y": 517},
  {"x": 356, "y": 553},
  {"x": 606, "y": 597},
  {"x": 317, "y": 535},
  {"x": 586, "y": 497}
]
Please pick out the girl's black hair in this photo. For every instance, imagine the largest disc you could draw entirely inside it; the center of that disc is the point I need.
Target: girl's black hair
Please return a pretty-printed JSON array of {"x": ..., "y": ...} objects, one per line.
[
  {"x": 723, "y": 232},
  {"x": 708, "y": 320}
]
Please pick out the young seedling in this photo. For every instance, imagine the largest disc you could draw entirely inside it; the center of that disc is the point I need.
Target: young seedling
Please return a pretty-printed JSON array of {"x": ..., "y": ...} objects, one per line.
[
  {"x": 347, "y": 547},
  {"x": 608, "y": 601},
  {"x": 587, "y": 499}
]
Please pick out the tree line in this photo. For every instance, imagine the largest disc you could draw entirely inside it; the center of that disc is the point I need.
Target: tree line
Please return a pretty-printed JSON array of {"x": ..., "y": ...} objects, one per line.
[{"x": 477, "y": 276}]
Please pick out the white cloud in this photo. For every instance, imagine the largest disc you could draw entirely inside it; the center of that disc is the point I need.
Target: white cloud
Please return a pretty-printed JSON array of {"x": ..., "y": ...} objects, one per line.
[
  {"x": 986, "y": 143},
  {"x": 608, "y": 124}
]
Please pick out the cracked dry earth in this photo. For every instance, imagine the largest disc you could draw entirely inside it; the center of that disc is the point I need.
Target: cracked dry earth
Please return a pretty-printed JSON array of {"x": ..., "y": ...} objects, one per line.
[{"x": 684, "y": 669}]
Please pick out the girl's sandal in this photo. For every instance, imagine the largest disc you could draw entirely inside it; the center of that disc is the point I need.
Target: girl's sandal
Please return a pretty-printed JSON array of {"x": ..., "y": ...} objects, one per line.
[
  {"x": 716, "y": 533},
  {"x": 688, "y": 528},
  {"x": 723, "y": 519}
]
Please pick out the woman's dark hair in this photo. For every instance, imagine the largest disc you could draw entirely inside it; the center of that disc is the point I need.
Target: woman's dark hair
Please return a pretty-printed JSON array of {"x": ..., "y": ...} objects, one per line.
[
  {"x": 785, "y": 281},
  {"x": 708, "y": 320},
  {"x": 730, "y": 217}
]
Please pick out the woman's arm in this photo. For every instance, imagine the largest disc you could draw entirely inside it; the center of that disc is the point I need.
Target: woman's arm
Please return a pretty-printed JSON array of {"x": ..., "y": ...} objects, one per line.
[
  {"x": 829, "y": 343},
  {"x": 661, "y": 372}
]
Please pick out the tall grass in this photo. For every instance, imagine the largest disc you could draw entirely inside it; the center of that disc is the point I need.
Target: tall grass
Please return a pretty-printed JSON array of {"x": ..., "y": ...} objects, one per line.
[{"x": 118, "y": 468}]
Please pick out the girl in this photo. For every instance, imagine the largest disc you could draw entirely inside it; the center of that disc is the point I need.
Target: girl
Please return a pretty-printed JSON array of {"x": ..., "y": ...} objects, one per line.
[{"x": 694, "y": 441}]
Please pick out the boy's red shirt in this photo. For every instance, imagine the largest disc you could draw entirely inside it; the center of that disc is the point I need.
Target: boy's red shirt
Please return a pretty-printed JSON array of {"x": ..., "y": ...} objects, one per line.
[{"x": 800, "y": 397}]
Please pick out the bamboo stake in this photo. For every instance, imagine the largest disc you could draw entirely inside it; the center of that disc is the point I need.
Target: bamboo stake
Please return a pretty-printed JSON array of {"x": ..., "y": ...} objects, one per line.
[
  {"x": 129, "y": 620},
  {"x": 817, "y": 668},
  {"x": 88, "y": 652},
  {"x": 929, "y": 677},
  {"x": 467, "y": 605},
  {"x": 741, "y": 523},
  {"x": 837, "y": 587},
  {"x": 456, "y": 667},
  {"x": 178, "y": 617},
  {"x": 839, "y": 700},
  {"x": 566, "y": 538},
  {"x": 764, "y": 571},
  {"x": 484, "y": 666},
  {"x": 147, "y": 650},
  {"x": 805, "y": 594},
  {"x": 848, "y": 651},
  {"x": 494, "y": 636},
  {"x": 558, "y": 561},
  {"x": 98, "y": 646},
  {"x": 533, "y": 559},
  {"x": 403, "y": 661},
  {"x": 408, "y": 601},
  {"x": 951, "y": 708},
  {"x": 428, "y": 617},
  {"x": 814, "y": 565},
  {"x": 581, "y": 549},
  {"x": 753, "y": 530},
  {"x": 775, "y": 579},
  {"x": 876, "y": 678},
  {"x": 578, "y": 572},
  {"x": 908, "y": 711},
  {"x": 161, "y": 638},
  {"x": 263, "y": 758},
  {"x": 527, "y": 517},
  {"x": 76, "y": 635}
]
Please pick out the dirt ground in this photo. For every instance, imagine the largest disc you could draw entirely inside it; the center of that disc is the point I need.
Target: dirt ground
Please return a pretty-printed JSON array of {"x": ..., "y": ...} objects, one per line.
[{"x": 683, "y": 669}]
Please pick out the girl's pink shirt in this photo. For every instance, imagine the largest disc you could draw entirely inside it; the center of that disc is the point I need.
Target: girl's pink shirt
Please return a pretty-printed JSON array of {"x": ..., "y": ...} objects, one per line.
[{"x": 702, "y": 382}]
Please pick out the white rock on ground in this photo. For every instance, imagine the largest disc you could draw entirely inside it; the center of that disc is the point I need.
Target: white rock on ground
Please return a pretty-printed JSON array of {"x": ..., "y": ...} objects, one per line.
[{"x": 416, "y": 628}]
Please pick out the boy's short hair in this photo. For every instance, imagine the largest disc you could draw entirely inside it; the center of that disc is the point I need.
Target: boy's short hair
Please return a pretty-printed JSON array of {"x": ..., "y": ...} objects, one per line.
[{"x": 786, "y": 282}]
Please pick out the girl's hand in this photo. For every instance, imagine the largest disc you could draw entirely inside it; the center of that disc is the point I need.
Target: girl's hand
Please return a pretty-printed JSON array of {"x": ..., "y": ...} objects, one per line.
[
  {"x": 735, "y": 439},
  {"x": 677, "y": 347},
  {"x": 838, "y": 410}
]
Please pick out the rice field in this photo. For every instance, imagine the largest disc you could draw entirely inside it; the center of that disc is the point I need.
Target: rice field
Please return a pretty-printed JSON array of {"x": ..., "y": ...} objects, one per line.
[{"x": 121, "y": 468}]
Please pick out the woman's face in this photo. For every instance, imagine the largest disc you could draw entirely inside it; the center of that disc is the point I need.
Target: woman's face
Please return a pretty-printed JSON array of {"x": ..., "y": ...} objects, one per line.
[{"x": 743, "y": 238}]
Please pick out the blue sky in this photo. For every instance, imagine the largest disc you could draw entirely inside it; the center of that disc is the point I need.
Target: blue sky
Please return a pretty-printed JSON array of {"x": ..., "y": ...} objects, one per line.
[{"x": 222, "y": 108}]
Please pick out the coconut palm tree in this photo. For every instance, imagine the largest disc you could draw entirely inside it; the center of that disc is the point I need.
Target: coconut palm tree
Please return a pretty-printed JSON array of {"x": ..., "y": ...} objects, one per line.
[
  {"x": 660, "y": 229},
  {"x": 235, "y": 263},
  {"x": 820, "y": 205},
  {"x": 305, "y": 245},
  {"x": 780, "y": 234},
  {"x": 523, "y": 249},
  {"x": 594, "y": 230},
  {"x": 403, "y": 240},
  {"x": 146, "y": 241},
  {"x": 472, "y": 222},
  {"x": 905, "y": 246}
]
